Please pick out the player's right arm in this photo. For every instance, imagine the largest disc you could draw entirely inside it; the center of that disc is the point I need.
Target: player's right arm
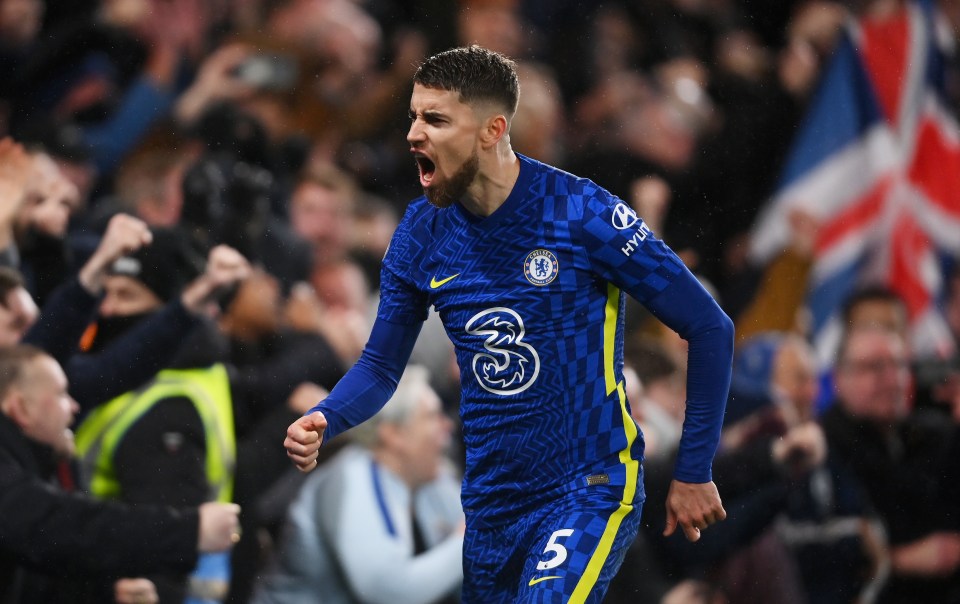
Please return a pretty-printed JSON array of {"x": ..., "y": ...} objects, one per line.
[
  {"x": 362, "y": 391},
  {"x": 370, "y": 383}
]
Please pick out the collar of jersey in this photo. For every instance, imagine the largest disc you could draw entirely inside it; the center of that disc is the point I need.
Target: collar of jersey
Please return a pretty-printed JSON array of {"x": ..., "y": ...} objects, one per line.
[{"x": 516, "y": 197}]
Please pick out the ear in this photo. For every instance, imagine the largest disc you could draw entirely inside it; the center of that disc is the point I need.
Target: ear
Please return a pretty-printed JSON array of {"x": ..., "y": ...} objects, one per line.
[
  {"x": 14, "y": 407},
  {"x": 494, "y": 130}
]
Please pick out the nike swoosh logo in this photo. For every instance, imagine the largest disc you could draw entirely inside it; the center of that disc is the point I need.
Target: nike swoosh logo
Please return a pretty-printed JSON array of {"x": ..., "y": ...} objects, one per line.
[
  {"x": 434, "y": 284},
  {"x": 539, "y": 579}
]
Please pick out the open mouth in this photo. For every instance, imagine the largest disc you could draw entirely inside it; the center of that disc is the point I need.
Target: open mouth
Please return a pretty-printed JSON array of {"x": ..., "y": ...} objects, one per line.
[{"x": 427, "y": 169}]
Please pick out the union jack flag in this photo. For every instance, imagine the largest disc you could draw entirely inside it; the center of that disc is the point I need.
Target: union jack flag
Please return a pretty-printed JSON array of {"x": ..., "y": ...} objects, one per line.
[{"x": 877, "y": 162}]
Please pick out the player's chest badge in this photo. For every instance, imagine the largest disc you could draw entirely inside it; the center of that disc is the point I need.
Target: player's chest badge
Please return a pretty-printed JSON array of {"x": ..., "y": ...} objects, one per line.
[{"x": 540, "y": 267}]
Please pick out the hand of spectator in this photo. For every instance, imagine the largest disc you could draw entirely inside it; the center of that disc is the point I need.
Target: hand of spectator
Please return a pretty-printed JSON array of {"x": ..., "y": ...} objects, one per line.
[
  {"x": 214, "y": 82},
  {"x": 15, "y": 171},
  {"x": 172, "y": 30},
  {"x": 226, "y": 268},
  {"x": 125, "y": 234},
  {"x": 188, "y": 21},
  {"x": 936, "y": 555},
  {"x": 305, "y": 396},
  {"x": 694, "y": 507},
  {"x": 135, "y": 591},
  {"x": 798, "y": 67},
  {"x": 303, "y": 440},
  {"x": 303, "y": 308},
  {"x": 804, "y": 230},
  {"x": 801, "y": 449},
  {"x": 219, "y": 526}
]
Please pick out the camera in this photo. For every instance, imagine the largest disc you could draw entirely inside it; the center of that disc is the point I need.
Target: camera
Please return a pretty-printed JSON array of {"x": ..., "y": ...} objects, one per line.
[
  {"x": 275, "y": 72},
  {"x": 226, "y": 201}
]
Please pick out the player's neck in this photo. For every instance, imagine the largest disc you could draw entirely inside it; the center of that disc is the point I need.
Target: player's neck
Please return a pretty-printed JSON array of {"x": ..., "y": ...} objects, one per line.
[{"x": 493, "y": 184}]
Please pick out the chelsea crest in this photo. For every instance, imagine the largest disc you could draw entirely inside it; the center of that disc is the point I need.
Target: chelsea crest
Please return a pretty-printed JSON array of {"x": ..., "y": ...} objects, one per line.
[{"x": 540, "y": 267}]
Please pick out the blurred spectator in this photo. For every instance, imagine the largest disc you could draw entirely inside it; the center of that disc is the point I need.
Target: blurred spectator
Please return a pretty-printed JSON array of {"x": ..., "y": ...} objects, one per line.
[
  {"x": 63, "y": 142},
  {"x": 230, "y": 192},
  {"x": 870, "y": 306},
  {"x": 539, "y": 130},
  {"x": 663, "y": 395},
  {"x": 345, "y": 94},
  {"x": 20, "y": 23},
  {"x": 40, "y": 227},
  {"x": 321, "y": 212},
  {"x": 38, "y": 204},
  {"x": 178, "y": 428},
  {"x": 498, "y": 25},
  {"x": 905, "y": 460},
  {"x": 761, "y": 90},
  {"x": 741, "y": 558},
  {"x": 214, "y": 186},
  {"x": 114, "y": 72},
  {"x": 148, "y": 182},
  {"x": 828, "y": 523},
  {"x": 129, "y": 350},
  {"x": 18, "y": 311},
  {"x": 938, "y": 374},
  {"x": 269, "y": 358},
  {"x": 66, "y": 316},
  {"x": 342, "y": 286},
  {"x": 374, "y": 221},
  {"x": 381, "y": 522},
  {"x": 345, "y": 328},
  {"x": 266, "y": 364},
  {"x": 60, "y": 546}
]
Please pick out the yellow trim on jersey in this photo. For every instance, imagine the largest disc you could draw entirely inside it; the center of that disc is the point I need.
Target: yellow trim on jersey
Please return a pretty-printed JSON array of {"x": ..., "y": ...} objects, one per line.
[
  {"x": 599, "y": 557},
  {"x": 611, "y": 311}
]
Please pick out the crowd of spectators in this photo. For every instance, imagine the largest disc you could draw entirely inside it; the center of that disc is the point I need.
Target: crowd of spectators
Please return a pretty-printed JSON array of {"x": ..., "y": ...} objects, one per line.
[{"x": 195, "y": 197}]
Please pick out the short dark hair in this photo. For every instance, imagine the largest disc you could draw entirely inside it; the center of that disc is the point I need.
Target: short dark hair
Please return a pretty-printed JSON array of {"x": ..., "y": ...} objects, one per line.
[
  {"x": 870, "y": 293},
  {"x": 476, "y": 73}
]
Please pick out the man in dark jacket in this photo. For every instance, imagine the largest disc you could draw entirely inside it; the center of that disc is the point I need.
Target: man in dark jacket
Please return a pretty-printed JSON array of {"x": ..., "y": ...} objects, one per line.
[
  {"x": 58, "y": 546},
  {"x": 181, "y": 427},
  {"x": 906, "y": 460}
]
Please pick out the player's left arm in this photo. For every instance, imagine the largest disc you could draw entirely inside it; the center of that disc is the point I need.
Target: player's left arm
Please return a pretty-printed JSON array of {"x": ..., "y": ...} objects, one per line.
[{"x": 624, "y": 251}]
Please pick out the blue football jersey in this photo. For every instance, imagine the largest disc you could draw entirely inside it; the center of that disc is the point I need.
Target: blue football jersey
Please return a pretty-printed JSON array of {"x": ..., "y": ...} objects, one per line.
[{"x": 532, "y": 297}]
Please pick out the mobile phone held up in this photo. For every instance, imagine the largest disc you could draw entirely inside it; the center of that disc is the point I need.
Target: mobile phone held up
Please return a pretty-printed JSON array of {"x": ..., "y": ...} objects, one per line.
[{"x": 275, "y": 72}]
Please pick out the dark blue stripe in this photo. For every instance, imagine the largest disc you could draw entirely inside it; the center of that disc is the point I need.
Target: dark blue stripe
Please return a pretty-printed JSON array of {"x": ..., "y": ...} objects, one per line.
[{"x": 378, "y": 491}]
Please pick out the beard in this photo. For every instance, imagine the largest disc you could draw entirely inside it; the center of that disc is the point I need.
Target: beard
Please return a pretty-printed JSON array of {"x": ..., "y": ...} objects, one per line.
[{"x": 443, "y": 194}]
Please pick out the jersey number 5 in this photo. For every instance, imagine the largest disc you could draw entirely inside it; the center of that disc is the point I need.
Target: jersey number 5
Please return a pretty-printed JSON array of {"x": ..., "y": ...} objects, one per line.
[{"x": 555, "y": 548}]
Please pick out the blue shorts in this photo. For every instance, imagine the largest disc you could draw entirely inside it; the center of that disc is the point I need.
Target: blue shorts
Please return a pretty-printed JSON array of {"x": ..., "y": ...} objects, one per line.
[{"x": 567, "y": 551}]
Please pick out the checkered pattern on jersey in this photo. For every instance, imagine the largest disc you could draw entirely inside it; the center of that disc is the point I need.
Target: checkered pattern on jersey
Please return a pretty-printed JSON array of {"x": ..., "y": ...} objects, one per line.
[
  {"x": 500, "y": 564},
  {"x": 539, "y": 362}
]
